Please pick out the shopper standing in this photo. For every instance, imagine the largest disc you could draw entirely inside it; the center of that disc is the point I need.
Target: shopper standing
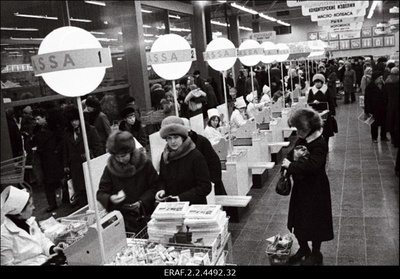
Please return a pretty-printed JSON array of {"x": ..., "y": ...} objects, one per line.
[
  {"x": 310, "y": 208},
  {"x": 391, "y": 89},
  {"x": 184, "y": 174},
  {"x": 376, "y": 105},
  {"x": 133, "y": 125},
  {"x": 128, "y": 183},
  {"x": 349, "y": 83},
  {"x": 48, "y": 140}
]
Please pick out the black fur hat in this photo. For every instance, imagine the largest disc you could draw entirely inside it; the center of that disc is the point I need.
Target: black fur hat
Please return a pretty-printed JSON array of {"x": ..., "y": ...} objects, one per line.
[
  {"x": 306, "y": 119},
  {"x": 120, "y": 142}
]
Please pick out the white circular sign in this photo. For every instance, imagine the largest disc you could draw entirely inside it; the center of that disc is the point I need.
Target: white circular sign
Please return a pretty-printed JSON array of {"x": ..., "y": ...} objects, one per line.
[
  {"x": 171, "y": 42},
  {"x": 252, "y": 58},
  {"x": 268, "y": 58},
  {"x": 283, "y": 52},
  {"x": 223, "y": 63},
  {"x": 76, "y": 82}
]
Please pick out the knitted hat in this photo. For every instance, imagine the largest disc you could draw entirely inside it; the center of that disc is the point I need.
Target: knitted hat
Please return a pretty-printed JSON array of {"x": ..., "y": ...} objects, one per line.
[
  {"x": 120, "y": 142},
  {"x": 173, "y": 125},
  {"x": 240, "y": 103},
  {"x": 318, "y": 77},
  {"x": 375, "y": 75},
  {"x": 127, "y": 110},
  {"x": 155, "y": 86},
  {"x": 13, "y": 201}
]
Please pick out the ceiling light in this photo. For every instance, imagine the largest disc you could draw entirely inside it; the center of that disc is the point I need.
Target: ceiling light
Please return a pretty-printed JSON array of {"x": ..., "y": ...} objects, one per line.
[
  {"x": 267, "y": 17},
  {"x": 372, "y": 9},
  {"x": 97, "y": 33},
  {"x": 283, "y": 23},
  {"x": 148, "y": 35},
  {"x": 146, "y": 11},
  {"x": 146, "y": 26},
  {"x": 26, "y": 39},
  {"x": 219, "y": 23},
  {"x": 18, "y": 29},
  {"x": 174, "y": 16},
  {"x": 36, "y": 16},
  {"x": 245, "y": 28},
  {"x": 100, "y": 3},
  {"x": 244, "y": 8},
  {"x": 80, "y": 20}
]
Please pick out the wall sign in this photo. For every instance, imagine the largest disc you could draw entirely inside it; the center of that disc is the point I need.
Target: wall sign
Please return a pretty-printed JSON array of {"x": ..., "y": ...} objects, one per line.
[
  {"x": 341, "y": 21},
  {"x": 344, "y": 44},
  {"x": 340, "y": 7},
  {"x": 337, "y": 15},
  {"x": 366, "y": 32},
  {"x": 389, "y": 41},
  {"x": 366, "y": 43},
  {"x": 377, "y": 42},
  {"x": 355, "y": 43}
]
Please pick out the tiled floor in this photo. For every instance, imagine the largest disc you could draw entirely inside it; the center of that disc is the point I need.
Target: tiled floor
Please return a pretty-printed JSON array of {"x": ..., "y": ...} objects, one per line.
[{"x": 365, "y": 202}]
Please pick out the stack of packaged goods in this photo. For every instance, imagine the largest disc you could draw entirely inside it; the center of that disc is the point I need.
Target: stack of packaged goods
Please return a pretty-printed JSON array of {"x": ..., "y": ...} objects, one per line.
[
  {"x": 206, "y": 223},
  {"x": 167, "y": 220}
]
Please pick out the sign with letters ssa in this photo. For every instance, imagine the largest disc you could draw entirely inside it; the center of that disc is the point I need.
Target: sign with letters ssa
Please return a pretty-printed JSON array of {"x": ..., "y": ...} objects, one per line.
[
  {"x": 71, "y": 60},
  {"x": 171, "y": 56}
]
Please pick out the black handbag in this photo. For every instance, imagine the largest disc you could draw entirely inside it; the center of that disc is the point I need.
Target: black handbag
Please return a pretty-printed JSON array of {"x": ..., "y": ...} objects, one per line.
[
  {"x": 334, "y": 125},
  {"x": 284, "y": 185}
]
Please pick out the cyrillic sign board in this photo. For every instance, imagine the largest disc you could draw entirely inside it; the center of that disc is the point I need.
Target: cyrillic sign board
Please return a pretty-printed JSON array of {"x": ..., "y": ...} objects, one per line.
[
  {"x": 337, "y": 15},
  {"x": 341, "y": 21}
]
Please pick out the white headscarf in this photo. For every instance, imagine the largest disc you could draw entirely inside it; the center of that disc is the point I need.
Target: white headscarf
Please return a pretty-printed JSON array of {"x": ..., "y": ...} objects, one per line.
[{"x": 13, "y": 201}]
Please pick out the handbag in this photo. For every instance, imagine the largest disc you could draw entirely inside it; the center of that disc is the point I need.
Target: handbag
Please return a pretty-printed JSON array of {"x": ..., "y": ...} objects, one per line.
[
  {"x": 284, "y": 185},
  {"x": 71, "y": 191},
  {"x": 334, "y": 125}
]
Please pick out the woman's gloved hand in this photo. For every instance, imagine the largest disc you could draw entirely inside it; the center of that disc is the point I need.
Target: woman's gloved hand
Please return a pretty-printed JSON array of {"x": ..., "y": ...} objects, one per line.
[{"x": 118, "y": 198}]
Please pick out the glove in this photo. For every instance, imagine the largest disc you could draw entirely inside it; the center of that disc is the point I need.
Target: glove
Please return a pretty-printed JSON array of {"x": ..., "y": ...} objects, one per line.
[{"x": 133, "y": 208}]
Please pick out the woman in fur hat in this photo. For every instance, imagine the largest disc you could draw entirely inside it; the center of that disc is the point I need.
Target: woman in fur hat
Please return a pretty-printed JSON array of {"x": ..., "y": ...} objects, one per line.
[
  {"x": 184, "y": 174},
  {"x": 310, "y": 209},
  {"x": 320, "y": 93},
  {"x": 22, "y": 241},
  {"x": 133, "y": 125},
  {"x": 129, "y": 181}
]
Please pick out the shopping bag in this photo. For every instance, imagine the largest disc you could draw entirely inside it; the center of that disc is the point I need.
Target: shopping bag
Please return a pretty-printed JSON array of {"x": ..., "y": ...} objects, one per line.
[
  {"x": 72, "y": 194},
  {"x": 334, "y": 125}
]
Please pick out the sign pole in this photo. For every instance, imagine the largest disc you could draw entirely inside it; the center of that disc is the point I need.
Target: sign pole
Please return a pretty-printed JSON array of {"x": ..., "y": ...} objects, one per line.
[
  {"x": 87, "y": 153},
  {"x": 252, "y": 79},
  {"x": 283, "y": 86},
  {"x": 175, "y": 98}
]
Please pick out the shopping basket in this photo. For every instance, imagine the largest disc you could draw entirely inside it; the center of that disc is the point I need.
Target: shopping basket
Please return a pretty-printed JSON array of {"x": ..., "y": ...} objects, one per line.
[
  {"x": 278, "y": 252},
  {"x": 13, "y": 170}
]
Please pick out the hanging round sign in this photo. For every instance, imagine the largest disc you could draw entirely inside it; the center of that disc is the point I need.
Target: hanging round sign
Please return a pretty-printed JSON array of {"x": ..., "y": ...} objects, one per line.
[
  {"x": 250, "y": 52},
  {"x": 283, "y": 52},
  {"x": 171, "y": 56},
  {"x": 270, "y": 52},
  {"x": 220, "y": 54},
  {"x": 71, "y": 61}
]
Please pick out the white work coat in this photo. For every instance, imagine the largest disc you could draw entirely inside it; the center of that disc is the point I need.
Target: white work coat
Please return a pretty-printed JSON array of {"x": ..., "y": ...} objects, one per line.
[
  {"x": 237, "y": 120},
  {"x": 254, "y": 109},
  {"x": 20, "y": 248},
  {"x": 212, "y": 134}
]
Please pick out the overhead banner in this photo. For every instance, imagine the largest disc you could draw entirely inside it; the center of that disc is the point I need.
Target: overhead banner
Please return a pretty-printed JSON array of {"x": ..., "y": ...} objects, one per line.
[
  {"x": 337, "y": 15},
  {"x": 348, "y": 34},
  {"x": 296, "y": 3},
  {"x": 321, "y": 7},
  {"x": 341, "y": 21},
  {"x": 343, "y": 27},
  {"x": 264, "y": 36}
]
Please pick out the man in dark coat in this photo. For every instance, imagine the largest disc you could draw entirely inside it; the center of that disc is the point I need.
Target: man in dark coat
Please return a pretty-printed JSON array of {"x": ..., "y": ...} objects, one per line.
[
  {"x": 375, "y": 103},
  {"x": 74, "y": 151},
  {"x": 48, "y": 140},
  {"x": 156, "y": 94},
  {"x": 310, "y": 207},
  {"x": 133, "y": 125},
  {"x": 391, "y": 89}
]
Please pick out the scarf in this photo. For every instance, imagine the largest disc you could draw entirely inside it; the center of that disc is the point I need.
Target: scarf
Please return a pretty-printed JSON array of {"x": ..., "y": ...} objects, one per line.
[
  {"x": 170, "y": 155},
  {"x": 135, "y": 164},
  {"x": 314, "y": 136}
]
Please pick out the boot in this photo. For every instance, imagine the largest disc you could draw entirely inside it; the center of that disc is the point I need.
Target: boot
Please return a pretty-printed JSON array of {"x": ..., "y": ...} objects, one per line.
[
  {"x": 302, "y": 252},
  {"x": 314, "y": 260}
]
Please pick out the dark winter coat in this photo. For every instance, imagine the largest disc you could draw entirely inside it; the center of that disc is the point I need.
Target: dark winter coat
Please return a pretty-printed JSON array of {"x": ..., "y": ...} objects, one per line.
[
  {"x": 186, "y": 175},
  {"x": 375, "y": 102},
  {"x": 349, "y": 80},
  {"x": 102, "y": 125},
  {"x": 240, "y": 86},
  {"x": 74, "y": 153},
  {"x": 156, "y": 97},
  {"x": 249, "y": 86},
  {"x": 331, "y": 82},
  {"x": 212, "y": 101},
  {"x": 323, "y": 95},
  {"x": 137, "y": 131},
  {"x": 213, "y": 161},
  {"x": 138, "y": 180},
  {"x": 391, "y": 89},
  {"x": 49, "y": 143},
  {"x": 310, "y": 208}
]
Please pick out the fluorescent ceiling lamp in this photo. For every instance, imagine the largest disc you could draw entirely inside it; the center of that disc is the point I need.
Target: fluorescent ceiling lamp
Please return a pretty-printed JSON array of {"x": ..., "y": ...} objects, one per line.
[
  {"x": 372, "y": 9},
  {"x": 245, "y": 28},
  {"x": 13, "y": 52},
  {"x": 80, "y": 20},
  {"x": 244, "y": 8},
  {"x": 180, "y": 29},
  {"x": 146, "y": 11},
  {"x": 283, "y": 23},
  {"x": 222, "y": 1},
  {"x": 219, "y": 23},
  {"x": 148, "y": 35},
  {"x": 97, "y": 33},
  {"x": 106, "y": 39},
  {"x": 26, "y": 39},
  {"x": 174, "y": 16},
  {"x": 148, "y": 41},
  {"x": 18, "y": 29},
  {"x": 146, "y": 26},
  {"x": 11, "y": 48},
  {"x": 267, "y": 17},
  {"x": 100, "y": 3},
  {"x": 36, "y": 16}
]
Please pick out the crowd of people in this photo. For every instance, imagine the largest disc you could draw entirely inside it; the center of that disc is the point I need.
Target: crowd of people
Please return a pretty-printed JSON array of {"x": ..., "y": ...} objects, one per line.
[{"x": 189, "y": 165}]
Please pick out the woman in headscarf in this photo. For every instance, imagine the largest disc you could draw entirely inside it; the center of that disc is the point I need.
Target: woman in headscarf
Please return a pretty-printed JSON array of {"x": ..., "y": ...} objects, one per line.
[
  {"x": 184, "y": 174},
  {"x": 22, "y": 241}
]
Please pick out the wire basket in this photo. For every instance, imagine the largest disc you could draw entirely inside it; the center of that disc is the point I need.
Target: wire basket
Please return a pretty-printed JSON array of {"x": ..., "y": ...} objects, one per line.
[
  {"x": 278, "y": 256},
  {"x": 13, "y": 170}
]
